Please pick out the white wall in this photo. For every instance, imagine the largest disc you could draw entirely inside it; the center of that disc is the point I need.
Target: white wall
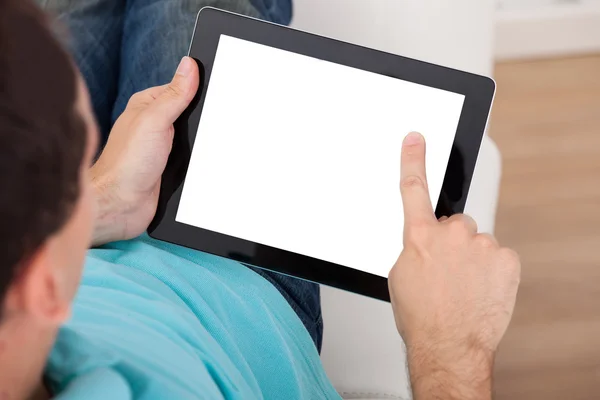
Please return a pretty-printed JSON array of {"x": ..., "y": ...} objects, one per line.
[
  {"x": 513, "y": 4},
  {"x": 456, "y": 33},
  {"x": 524, "y": 4},
  {"x": 464, "y": 34},
  {"x": 547, "y": 28}
]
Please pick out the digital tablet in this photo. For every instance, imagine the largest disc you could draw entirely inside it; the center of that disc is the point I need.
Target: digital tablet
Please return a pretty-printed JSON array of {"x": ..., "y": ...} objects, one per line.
[{"x": 288, "y": 159}]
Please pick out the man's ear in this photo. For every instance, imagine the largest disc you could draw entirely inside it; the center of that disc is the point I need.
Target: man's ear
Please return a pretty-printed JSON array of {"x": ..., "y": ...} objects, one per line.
[{"x": 35, "y": 290}]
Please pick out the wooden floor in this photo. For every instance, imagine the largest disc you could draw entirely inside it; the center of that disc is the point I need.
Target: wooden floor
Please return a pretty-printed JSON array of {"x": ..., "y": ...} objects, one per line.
[{"x": 546, "y": 122}]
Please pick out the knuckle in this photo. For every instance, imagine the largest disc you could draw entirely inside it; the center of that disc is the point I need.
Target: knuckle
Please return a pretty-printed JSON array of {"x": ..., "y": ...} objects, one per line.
[
  {"x": 458, "y": 226},
  {"x": 485, "y": 241},
  {"x": 511, "y": 260},
  {"x": 510, "y": 256},
  {"x": 412, "y": 181},
  {"x": 173, "y": 91},
  {"x": 462, "y": 224}
]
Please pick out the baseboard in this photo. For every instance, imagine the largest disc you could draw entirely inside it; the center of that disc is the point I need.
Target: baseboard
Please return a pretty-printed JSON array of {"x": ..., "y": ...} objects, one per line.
[{"x": 553, "y": 31}]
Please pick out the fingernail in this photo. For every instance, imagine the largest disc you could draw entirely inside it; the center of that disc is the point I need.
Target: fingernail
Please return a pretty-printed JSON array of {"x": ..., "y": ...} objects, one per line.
[
  {"x": 412, "y": 139},
  {"x": 185, "y": 67}
]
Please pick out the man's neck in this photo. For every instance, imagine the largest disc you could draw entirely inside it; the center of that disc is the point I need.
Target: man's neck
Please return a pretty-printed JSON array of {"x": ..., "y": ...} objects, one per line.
[
  {"x": 40, "y": 393},
  {"x": 24, "y": 349}
]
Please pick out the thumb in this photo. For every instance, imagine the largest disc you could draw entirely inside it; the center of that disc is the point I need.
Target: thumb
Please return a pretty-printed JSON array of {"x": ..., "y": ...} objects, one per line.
[{"x": 178, "y": 94}]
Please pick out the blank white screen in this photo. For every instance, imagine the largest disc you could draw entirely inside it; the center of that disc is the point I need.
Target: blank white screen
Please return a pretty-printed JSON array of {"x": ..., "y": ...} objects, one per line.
[{"x": 304, "y": 155}]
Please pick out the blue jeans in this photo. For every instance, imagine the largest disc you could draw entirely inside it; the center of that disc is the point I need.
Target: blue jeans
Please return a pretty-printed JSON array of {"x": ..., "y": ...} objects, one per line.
[{"x": 125, "y": 46}]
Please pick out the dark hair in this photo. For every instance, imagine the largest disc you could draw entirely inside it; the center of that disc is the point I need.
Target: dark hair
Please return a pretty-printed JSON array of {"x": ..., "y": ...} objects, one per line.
[{"x": 42, "y": 136}]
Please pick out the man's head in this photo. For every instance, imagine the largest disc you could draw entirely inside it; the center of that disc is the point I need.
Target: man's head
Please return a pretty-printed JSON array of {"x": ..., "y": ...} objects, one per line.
[{"x": 47, "y": 142}]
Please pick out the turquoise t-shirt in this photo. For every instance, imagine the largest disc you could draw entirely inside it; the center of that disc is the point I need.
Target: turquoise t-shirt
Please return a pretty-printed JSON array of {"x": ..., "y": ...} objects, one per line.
[{"x": 157, "y": 321}]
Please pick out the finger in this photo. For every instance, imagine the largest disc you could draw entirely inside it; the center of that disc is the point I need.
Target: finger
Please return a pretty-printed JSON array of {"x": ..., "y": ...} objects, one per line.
[
  {"x": 487, "y": 241},
  {"x": 413, "y": 182},
  {"x": 154, "y": 93},
  {"x": 145, "y": 97},
  {"x": 178, "y": 94},
  {"x": 442, "y": 219},
  {"x": 464, "y": 219}
]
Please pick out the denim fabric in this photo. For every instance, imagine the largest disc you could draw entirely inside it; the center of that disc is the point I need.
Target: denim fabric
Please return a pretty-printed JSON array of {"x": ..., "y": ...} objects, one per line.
[
  {"x": 305, "y": 299},
  {"x": 278, "y": 11},
  {"x": 94, "y": 35},
  {"x": 124, "y": 46}
]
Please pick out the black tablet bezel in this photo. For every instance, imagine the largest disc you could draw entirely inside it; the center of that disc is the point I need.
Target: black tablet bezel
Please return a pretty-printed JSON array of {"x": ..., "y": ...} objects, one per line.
[{"x": 210, "y": 25}]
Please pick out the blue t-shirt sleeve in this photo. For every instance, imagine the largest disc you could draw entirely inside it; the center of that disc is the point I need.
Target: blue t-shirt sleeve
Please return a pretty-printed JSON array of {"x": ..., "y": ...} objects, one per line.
[
  {"x": 155, "y": 321},
  {"x": 99, "y": 384}
]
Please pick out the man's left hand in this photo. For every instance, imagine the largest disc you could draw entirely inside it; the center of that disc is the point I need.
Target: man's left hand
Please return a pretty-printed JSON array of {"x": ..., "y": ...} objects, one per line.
[{"x": 127, "y": 175}]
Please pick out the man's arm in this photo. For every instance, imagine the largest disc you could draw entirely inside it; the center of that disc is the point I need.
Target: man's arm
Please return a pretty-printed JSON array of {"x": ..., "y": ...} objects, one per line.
[
  {"x": 126, "y": 177},
  {"x": 453, "y": 292}
]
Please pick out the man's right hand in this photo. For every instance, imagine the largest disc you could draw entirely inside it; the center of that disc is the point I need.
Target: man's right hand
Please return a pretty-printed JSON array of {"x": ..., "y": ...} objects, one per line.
[{"x": 453, "y": 292}]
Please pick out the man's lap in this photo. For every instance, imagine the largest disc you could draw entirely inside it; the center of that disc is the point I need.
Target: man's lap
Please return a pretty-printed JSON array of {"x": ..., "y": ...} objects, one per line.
[
  {"x": 125, "y": 47},
  {"x": 93, "y": 37}
]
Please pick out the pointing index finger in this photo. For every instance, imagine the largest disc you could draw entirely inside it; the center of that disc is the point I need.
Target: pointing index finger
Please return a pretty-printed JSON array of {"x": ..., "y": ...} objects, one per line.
[{"x": 413, "y": 182}]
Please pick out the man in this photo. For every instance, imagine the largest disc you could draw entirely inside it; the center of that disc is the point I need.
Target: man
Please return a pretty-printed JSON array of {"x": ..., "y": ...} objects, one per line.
[{"x": 156, "y": 321}]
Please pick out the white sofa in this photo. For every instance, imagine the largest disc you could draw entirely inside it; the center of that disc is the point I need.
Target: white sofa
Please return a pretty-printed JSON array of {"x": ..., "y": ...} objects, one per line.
[{"x": 362, "y": 351}]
